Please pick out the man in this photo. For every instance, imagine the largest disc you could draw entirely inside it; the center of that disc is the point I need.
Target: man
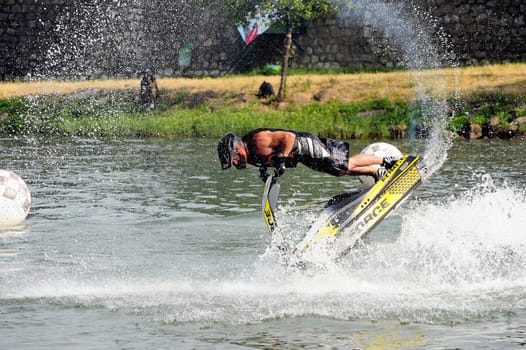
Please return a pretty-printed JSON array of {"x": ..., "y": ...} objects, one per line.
[
  {"x": 149, "y": 90},
  {"x": 282, "y": 149}
]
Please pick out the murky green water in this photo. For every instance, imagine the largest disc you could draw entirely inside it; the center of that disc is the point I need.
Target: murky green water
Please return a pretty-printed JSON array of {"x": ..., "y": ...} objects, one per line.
[{"x": 147, "y": 244}]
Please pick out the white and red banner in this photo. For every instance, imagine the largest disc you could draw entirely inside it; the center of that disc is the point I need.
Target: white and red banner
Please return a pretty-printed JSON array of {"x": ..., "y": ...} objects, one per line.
[{"x": 258, "y": 23}]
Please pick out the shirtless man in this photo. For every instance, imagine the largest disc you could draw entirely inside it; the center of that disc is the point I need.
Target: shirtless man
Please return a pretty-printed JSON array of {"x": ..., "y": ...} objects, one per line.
[{"x": 282, "y": 149}]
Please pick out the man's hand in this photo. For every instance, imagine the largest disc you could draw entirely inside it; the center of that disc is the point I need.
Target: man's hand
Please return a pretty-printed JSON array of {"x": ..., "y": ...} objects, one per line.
[
  {"x": 278, "y": 160},
  {"x": 280, "y": 170},
  {"x": 263, "y": 175}
]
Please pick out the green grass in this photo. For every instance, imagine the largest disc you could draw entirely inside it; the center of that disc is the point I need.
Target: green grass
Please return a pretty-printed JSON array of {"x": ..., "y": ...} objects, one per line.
[
  {"x": 323, "y": 71},
  {"x": 113, "y": 113},
  {"x": 481, "y": 107},
  {"x": 85, "y": 116}
]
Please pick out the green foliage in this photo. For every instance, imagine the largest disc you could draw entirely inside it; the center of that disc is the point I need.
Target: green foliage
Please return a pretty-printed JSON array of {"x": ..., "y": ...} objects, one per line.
[
  {"x": 83, "y": 116},
  {"x": 49, "y": 114},
  {"x": 479, "y": 119},
  {"x": 271, "y": 69},
  {"x": 488, "y": 104},
  {"x": 459, "y": 123},
  {"x": 480, "y": 107},
  {"x": 94, "y": 113},
  {"x": 324, "y": 71},
  {"x": 296, "y": 10},
  {"x": 15, "y": 105},
  {"x": 520, "y": 111},
  {"x": 11, "y": 115}
]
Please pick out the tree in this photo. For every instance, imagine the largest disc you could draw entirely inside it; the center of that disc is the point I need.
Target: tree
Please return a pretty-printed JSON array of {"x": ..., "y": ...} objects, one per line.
[{"x": 286, "y": 13}]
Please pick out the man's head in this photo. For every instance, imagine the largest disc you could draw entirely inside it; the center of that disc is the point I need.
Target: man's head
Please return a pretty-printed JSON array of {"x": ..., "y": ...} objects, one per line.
[
  {"x": 147, "y": 74},
  {"x": 232, "y": 151}
]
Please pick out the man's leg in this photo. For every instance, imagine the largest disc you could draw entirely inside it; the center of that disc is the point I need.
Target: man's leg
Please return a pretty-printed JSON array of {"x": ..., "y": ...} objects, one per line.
[{"x": 359, "y": 164}]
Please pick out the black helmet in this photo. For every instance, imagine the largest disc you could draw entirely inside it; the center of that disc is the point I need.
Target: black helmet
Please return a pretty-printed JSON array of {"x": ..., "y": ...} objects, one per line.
[{"x": 228, "y": 146}]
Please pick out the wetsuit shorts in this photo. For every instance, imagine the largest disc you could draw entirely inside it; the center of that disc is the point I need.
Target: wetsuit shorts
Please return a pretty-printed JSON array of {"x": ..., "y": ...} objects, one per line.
[{"x": 322, "y": 154}]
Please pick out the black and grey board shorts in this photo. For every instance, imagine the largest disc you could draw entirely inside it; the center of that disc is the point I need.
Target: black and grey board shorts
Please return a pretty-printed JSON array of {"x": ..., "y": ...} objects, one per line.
[{"x": 323, "y": 154}]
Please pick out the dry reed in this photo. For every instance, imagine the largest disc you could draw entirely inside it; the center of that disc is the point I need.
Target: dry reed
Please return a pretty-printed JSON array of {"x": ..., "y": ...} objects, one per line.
[{"x": 344, "y": 87}]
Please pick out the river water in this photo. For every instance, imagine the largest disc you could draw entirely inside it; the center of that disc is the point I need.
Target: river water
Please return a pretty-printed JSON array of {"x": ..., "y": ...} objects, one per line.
[{"x": 147, "y": 244}]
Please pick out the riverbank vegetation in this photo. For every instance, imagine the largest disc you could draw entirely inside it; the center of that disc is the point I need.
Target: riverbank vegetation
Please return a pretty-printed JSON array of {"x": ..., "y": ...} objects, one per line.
[{"x": 485, "y": 101}]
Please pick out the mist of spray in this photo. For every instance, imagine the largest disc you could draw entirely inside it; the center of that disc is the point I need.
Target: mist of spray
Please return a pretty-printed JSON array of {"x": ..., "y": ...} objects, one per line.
[
  {"x": 118, "y": 38},
  {"x": 413, "y": 37}
]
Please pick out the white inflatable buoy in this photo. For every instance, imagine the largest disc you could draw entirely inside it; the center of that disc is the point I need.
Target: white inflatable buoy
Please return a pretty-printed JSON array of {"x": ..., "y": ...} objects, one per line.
[
  {"x": 15, "y": 199},
  {"x": 379, "y": 149}
]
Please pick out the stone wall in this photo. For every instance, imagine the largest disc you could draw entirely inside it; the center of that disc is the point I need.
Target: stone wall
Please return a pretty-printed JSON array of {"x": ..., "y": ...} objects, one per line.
[
  {"x": 417, "y": 33},
  {"x": 110, "y": 38}
]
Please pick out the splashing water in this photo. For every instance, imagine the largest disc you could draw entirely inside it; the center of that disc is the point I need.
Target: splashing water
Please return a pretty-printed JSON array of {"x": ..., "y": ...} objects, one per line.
[
  {"x": 120, "y": 38},
  {"x": 82, "y": 42},
  {"x": 413, "y": 36},
  {"x": 463, "y": 257},
  {"x": 468, "y": 241},
  {"x": 406, "y": 32}
]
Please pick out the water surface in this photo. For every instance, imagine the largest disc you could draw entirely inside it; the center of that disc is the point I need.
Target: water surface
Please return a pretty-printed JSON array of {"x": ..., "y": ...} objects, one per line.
[{"x": 134, "y": 244}]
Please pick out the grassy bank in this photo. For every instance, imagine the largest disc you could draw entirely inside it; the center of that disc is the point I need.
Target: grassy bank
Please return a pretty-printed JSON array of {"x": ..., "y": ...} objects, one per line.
[{"x": 366, "y": 105}]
